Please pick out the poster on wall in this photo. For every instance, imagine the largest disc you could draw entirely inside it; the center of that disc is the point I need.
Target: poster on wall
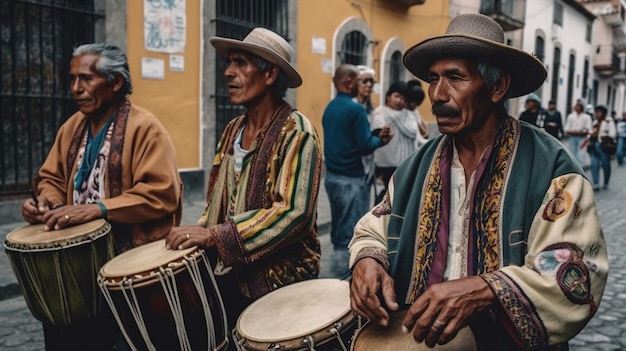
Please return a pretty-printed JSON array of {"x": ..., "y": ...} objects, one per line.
[{"x": 164, "y": 24}]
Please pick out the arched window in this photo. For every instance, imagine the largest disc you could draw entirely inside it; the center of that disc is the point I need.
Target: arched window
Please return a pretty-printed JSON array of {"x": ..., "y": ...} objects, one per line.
[
  {"x": 395, "y": 67},
  {"x": 354, "y": 48},
  {"x": 392, "y": 69}
]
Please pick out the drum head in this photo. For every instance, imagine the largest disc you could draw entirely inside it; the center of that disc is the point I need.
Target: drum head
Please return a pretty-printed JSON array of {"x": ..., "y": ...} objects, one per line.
[
  {"x": 35, "y": 234},
  {"x": 142, "y": 259},
  {"x": 373, "y": 337},
  {"x": 295, "y": 310}
]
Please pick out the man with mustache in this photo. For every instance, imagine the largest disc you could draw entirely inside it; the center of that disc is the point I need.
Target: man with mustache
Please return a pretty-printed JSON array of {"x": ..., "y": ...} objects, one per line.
[
  {"x": 492, "y": 225},
  {"x": 259, "y": 222}
]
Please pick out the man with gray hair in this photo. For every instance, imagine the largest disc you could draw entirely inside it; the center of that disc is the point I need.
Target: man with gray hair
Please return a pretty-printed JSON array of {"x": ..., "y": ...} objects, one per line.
[{"x": 112, "y": 160}]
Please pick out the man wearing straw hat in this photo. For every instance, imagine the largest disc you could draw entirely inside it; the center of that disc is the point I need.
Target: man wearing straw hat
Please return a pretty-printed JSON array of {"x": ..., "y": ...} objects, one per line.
[
  {"x": 262, "y": 190},
  {"x": 491, "y": 225}
]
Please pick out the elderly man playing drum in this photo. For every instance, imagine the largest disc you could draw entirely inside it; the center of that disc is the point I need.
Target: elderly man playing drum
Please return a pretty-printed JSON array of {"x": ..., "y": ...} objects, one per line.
[
  {"x": 260, "y": 218},
  {"x": 111, "y": 160},
  {"x": 491, "y": 225}
]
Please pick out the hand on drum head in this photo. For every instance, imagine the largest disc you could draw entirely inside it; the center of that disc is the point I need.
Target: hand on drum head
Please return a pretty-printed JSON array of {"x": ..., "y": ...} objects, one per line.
[
  {"x": 369, "y": 279},
  {"x": 67, "y": 216},
  {"x": 184, "y": 237},
  {"x": 444, "y": 308}
]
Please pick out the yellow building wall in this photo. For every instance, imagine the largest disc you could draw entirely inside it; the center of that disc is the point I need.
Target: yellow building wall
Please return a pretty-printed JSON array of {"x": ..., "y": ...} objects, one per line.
[
  {"x": 175, "y": 100},
  {"x": 386, "y": 19}
]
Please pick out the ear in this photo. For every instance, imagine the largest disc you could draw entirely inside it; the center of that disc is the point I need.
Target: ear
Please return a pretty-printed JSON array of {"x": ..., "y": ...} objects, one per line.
[
  {"x": 498, "y": 93},
  {"x": 271, "y": 75},
  {"x": 118, "y": 83}
]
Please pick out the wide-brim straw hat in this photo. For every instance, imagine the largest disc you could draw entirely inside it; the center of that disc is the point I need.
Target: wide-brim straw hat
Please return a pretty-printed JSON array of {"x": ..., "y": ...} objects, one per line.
[
  {"x": 480, "y": 38},
  {"x": 266, "y": 44}
]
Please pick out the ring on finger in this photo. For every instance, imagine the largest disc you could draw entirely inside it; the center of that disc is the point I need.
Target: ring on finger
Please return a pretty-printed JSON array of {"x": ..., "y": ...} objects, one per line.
[
  {"x": 437, "y": 324},
  {"x": 187, "y": 234},
  {"x": 67, "y": 218}
]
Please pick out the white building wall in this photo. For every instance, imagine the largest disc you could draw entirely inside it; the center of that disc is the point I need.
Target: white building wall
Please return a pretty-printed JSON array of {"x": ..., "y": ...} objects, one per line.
[{"x": 570, "y": 38}]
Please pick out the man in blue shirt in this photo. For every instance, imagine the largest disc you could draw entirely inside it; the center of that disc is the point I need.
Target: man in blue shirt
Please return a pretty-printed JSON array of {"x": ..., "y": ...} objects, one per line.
[{"x": 347, "y": 138}]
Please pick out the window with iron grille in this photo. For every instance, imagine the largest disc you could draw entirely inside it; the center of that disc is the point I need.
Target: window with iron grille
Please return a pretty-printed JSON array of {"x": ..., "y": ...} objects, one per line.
[
  {"x": 235, "y": 19},
  {"x": 354, "y": 48},
  {"x": 36, "y": 43}
]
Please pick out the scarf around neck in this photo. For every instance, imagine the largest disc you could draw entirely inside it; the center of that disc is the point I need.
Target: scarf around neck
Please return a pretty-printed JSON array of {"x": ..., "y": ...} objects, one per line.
[{"x": 483, "y": 250}]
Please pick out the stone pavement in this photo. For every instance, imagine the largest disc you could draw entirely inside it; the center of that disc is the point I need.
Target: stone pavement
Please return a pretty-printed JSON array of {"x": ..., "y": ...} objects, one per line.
[{"x": 19, "y": 331}]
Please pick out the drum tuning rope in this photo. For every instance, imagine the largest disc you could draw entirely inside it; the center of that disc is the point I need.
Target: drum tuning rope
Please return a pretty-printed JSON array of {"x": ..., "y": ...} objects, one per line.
[
  {"x": 107, "y": 297},
  {"x": 309, "y": 342},
  {"x": 196, "y": 278},
  {"x": 135, "y": 310},
  {"x": 205, "y": 259},
  {"x": 168, "y": 282},
  {"x": 335, "y": 330}
]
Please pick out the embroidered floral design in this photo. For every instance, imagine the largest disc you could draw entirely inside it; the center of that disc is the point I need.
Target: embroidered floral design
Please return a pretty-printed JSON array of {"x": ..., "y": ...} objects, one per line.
[
  {"x": 560, "y": 204},
  {"x": 573, "y": 278},
  {"x": 549, "y": 261},
  {"x": 571, "y": 270}
]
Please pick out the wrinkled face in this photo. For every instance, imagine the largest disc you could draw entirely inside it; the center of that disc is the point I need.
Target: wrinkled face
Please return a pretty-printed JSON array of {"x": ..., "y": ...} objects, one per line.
[
  {"x": 95, "y": 96},
  {"x": 460, "y": 99},
  {"x": 395, "y": 101},
  {"x": 247, "y": 84},
  {"x": 366, "y": 83}
]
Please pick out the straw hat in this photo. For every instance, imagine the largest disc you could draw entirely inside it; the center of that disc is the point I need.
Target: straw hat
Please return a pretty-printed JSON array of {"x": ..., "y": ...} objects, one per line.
[
  {"x": 266, "y": 44},
  {"x": 478, "y": 37}
]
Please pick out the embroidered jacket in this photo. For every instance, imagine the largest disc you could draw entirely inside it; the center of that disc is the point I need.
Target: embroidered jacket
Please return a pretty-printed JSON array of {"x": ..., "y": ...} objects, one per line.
[
  {"x": 535, "y": 236},
  {"x": 265, "y": 217}
]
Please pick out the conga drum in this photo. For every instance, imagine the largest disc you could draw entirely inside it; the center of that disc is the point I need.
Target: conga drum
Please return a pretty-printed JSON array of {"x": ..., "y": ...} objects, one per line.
[
  {"x": 57, "y": 270},
  {"x": 165, "y": 299},
  {"x": 374, "y": 337},
  {"x": 309, "y": 315}
]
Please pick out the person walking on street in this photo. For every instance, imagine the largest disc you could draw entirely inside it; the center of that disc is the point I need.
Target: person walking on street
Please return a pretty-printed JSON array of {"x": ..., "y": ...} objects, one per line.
[
  {"x": 491, "y": 225},
  {"x": 259, "y": 226},
  {"x": 603, "y": 128},
  {"x": 554, "y": 121},
  {"x": 113, "y": 160},
  {"x": 347, "y": 138},
  {"x": 577, "y": 127}
]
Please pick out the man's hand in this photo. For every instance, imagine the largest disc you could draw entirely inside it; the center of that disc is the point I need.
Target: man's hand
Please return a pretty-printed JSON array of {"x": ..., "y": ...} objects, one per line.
[
  {"x": 33, "y": 210},
  {"x": 386, "y": 134},
  {"x": 184, "y": 237},
  {"x": 67, "y": 216},
  {"x": 443, "y": 309},
  {"x": 368, "y": 279}
]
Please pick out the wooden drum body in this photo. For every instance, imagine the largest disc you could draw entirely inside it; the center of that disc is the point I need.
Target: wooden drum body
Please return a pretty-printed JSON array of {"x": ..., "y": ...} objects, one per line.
[
  {"x": 313, "y": 314},
  {"x": 373, "y": 337},
  {"x": 165, "y": 299},
  {"x": 57, "y": 270}
]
